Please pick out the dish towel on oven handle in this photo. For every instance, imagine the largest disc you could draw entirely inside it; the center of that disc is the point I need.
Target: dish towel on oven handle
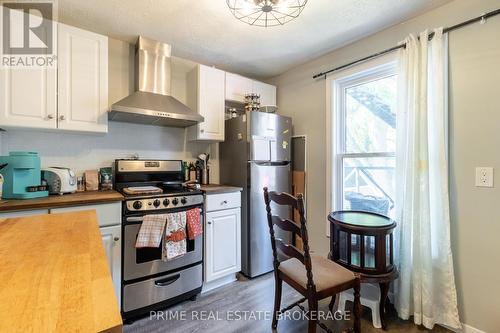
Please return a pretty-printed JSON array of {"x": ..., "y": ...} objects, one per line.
[
  {"x": 151, "y": 231},
  {"x": 194, "y": 228},
  {"x": 174, "y": 239}
]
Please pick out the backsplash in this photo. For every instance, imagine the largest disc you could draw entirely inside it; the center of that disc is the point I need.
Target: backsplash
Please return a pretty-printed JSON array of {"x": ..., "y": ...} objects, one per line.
[{"x": 83, "y": 151}]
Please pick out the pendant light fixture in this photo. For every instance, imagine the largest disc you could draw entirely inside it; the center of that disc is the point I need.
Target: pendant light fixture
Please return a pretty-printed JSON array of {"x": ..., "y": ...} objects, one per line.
[{"x": 266, "y": 13}]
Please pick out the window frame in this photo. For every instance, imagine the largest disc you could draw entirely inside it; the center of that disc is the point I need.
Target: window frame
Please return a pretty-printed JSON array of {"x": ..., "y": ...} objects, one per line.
[{"x": 369, "y": 71}]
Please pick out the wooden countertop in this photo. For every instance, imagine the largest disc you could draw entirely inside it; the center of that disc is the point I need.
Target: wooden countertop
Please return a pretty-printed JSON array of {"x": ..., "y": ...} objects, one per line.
[
  {"x": 215, "y": 189},
  {"x": 54, "y": 276},
  {"x": 54, "y": 201}
]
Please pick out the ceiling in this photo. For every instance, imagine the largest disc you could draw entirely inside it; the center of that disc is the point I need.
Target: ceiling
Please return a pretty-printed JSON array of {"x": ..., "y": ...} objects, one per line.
[{"x": 205, "y": 31}]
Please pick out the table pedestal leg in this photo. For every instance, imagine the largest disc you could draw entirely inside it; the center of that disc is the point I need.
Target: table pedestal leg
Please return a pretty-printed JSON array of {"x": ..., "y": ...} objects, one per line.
[{"x": 384, "y": 290}]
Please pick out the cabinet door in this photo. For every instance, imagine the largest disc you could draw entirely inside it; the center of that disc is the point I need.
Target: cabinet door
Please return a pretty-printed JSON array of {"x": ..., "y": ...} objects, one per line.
[
  {"x": 28, "y": 97},
  {"x": 111, "y": 239},
  {"x": 266, "y": 91},
  {"x": 82, "y": 80},
  {"x": 211, "y": 103},
  {"x": 222, "y": 243},
  {"x": 237, "y": 86}
]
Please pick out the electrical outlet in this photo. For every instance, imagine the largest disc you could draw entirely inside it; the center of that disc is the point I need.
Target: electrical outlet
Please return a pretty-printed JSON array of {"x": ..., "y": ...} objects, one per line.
[{"x": 484, "y": 177}]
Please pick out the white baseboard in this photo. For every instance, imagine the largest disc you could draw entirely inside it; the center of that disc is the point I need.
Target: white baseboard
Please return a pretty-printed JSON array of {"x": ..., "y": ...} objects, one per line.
[
  {"x": 208, "y": 286},
  {"x": 465, "y": 329}
]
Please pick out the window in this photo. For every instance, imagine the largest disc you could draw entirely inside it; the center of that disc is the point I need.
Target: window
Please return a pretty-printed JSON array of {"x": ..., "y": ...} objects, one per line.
[{"x": 365, "y": 140}]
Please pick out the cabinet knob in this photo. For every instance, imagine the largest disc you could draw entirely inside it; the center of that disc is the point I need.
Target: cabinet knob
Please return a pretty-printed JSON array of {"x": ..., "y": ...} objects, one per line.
[
  {"x": 202, "y": 130},
  {"x": 62, "y": 117},
  {"x": 209, "y": 222},
  {"x": 49, "y": 116},
  {"x": 224, "y": 202},
  {"x": 116, "y": 239}
]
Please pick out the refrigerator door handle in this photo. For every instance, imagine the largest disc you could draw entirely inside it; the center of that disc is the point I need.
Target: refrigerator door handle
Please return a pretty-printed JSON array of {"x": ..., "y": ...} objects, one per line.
[{"x": 273, "y": 163}]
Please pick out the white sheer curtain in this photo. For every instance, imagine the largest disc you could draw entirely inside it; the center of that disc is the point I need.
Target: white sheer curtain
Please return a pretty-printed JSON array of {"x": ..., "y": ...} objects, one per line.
[{"x": 426, "y": 286}]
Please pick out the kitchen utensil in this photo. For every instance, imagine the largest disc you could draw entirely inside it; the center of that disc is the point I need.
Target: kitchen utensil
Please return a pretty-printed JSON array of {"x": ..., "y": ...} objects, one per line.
[{"x": 204, "y": 176}]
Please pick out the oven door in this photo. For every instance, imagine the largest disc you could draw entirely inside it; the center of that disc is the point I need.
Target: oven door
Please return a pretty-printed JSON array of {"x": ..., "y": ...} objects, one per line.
[{"x": 139, "y": 263}]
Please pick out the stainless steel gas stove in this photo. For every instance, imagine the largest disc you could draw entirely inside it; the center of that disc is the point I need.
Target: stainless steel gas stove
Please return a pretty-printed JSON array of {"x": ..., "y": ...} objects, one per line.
[{"x": 155, "y": 187}]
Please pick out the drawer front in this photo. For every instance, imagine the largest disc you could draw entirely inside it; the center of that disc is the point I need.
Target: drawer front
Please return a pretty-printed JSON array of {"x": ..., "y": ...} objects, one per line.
[
  {"x": 144, "y": 293},
  {"x": 223, "y": 201},
  {"x": 107, "y": 214},
  {"x": 23, "y": 213}
]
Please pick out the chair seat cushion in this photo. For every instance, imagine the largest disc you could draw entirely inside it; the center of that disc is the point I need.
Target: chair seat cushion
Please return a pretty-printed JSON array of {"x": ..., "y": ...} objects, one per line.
[{"x": 326, "y": 273}]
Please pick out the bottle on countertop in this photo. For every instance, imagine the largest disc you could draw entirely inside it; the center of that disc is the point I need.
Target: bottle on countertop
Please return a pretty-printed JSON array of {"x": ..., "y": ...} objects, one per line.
[
  {"x": 80, "y": 184},
  {"x": 185, "y": 171},
  {"x": 192, "y": 172}
]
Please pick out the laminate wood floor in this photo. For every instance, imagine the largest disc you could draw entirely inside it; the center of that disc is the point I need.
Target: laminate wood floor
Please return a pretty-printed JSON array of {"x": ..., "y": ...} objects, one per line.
[{"x": 252, "y": 300}]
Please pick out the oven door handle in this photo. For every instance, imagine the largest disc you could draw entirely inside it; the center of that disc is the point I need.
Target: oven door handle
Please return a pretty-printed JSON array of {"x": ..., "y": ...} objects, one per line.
[
  {"x": 167, "y": 281},
  {"x": 135, "y": 219},
  {"x": 141, "y": 218}
]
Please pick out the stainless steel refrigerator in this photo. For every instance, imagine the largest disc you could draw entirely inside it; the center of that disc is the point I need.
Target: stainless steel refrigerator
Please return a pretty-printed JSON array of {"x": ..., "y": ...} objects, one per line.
[{"x": 254, "y": 155}]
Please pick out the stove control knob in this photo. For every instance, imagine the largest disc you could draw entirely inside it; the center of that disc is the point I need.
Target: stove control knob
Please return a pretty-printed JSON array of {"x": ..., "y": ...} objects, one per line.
[
  {"x": 137, "y": 205},
  {"x": 184, "y": 200},
  {"x": 166, "y": 202},
  {"x": 175, "y": 202},
  {"x": 156, "y": 203}
]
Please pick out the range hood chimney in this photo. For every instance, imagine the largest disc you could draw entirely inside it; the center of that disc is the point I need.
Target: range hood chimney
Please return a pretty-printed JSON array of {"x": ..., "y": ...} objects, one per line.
[{"x": 151, "y": 103}]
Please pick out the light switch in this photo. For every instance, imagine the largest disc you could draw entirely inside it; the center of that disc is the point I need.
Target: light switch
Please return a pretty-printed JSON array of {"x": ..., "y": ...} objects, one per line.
[{"x": 484, "y": 177}]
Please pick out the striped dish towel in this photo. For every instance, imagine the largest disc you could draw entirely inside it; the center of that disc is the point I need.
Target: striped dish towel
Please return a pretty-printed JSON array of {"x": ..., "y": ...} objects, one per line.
[{"x": 151, "y": 231}]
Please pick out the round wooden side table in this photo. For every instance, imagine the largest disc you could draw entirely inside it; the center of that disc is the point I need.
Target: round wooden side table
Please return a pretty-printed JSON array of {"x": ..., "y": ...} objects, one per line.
[{"x": 363, "y": 243}]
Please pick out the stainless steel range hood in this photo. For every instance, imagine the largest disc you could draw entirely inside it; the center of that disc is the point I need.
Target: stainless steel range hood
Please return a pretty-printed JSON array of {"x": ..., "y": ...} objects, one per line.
[{"x": 152, "y": 104}]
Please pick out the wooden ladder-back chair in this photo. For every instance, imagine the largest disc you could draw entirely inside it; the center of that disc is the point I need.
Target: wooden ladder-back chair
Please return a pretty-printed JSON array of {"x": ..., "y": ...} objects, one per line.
[{"x": 313, "y": 276}]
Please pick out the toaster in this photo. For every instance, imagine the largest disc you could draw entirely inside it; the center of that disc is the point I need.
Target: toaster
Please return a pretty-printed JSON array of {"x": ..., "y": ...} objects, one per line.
[{"x": 59, "y": 180}]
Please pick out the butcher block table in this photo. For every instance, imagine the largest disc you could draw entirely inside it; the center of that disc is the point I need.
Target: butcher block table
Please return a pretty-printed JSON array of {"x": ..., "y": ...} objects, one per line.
[{"x": 54, "y": 276}]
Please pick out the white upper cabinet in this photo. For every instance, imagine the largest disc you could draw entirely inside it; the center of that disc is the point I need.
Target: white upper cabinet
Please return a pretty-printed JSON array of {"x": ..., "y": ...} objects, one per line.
[
  {"x": 266, "y": 91},
  {"x": 28, "y": 97},
  {"x": 237, "y": 86},
  {"x": 71, "y": 96},
  {"x": 205, "y": 95},
  {"x": 83, "y": 80}
]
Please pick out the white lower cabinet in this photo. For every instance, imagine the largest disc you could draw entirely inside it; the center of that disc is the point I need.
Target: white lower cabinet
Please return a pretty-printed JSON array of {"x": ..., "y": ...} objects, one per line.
[
  {"x": 222, "y": 241},
  {"x": 111, "y": 239},
  {"x": 223, "y": 255}
]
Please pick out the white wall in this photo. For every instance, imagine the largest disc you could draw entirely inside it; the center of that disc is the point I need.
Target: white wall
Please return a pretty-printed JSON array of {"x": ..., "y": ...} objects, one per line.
[
  {"x": 87, "y": 151},
  {"x": 474, "y": 141}
]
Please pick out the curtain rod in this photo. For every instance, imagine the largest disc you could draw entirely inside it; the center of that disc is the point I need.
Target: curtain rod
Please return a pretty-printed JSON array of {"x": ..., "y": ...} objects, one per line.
[{"x": 481, "y": 18}]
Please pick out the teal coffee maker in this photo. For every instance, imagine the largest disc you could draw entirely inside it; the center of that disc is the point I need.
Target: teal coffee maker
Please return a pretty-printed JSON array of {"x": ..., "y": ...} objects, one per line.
[{"x": 22, "y": 176}]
